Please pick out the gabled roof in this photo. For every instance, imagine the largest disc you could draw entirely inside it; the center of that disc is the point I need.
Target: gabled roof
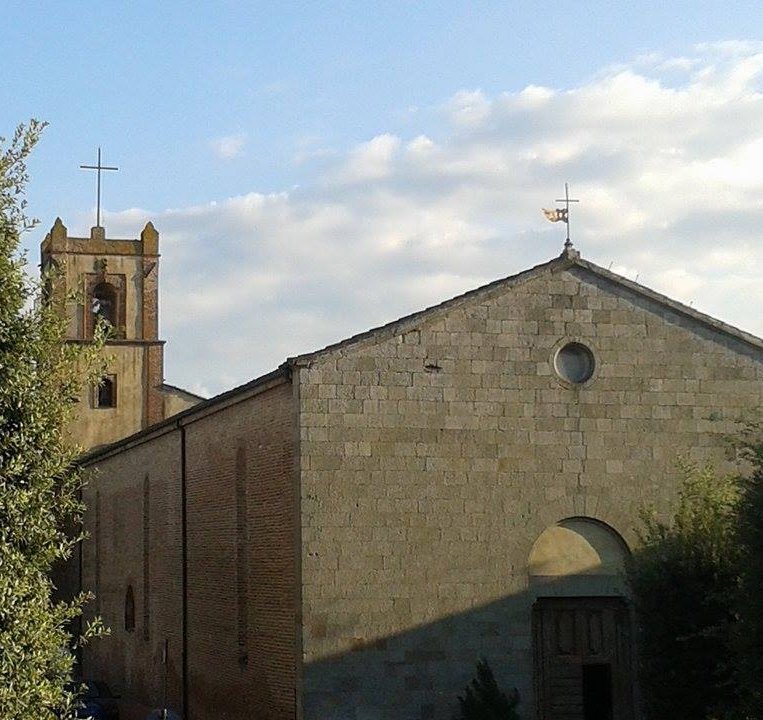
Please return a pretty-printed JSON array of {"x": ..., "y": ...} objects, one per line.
[
  {"x": 175, "y": 390},
  {"x": 567, "y": 260}
]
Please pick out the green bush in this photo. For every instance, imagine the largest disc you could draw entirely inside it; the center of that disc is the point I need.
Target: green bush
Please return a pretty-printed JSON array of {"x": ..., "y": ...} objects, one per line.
[
  {"x": 684, "y": 580},
  {"x": 749, "y": 631},
  {"x": 483, "y": 700}
]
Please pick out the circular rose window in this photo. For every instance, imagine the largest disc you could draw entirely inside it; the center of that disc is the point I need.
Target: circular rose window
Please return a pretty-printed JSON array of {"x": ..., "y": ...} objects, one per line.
[{"x": 574, "y": 363}]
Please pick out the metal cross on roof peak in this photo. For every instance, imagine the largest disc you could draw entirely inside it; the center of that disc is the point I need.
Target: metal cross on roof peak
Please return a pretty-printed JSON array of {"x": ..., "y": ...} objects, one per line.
[
  {"x": 98, "y": 167},
  {"x": 567, "y": 200}
]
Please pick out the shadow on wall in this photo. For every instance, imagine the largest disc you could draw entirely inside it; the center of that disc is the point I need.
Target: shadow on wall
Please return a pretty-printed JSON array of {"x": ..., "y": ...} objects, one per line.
[{"x": 418, "y": 674}]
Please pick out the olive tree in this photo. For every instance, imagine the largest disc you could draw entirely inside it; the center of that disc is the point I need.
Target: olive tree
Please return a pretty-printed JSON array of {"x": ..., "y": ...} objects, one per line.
[{"x": 40, "y": 379}]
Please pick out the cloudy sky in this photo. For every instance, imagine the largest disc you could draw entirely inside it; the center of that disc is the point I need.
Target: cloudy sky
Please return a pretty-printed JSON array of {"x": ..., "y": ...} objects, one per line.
[{"x": 316, "y": 169}]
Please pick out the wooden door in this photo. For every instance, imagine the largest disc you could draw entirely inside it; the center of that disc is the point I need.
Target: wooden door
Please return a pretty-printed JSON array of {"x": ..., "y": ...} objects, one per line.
[{"x": 582, "y": 655}]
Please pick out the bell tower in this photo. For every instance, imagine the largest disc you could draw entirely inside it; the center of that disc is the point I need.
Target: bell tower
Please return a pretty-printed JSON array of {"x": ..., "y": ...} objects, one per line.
[{"x": 116, "y": 280}]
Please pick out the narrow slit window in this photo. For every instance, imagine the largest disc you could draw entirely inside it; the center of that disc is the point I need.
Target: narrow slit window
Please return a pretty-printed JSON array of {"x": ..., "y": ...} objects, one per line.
[
  {"x": 129, "y": 610},
  {"x": 105, "y": 394}
]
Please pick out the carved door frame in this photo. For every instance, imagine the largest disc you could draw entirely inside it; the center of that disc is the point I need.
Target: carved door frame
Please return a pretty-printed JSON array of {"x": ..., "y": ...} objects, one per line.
[{"x": 571, "y": 634}]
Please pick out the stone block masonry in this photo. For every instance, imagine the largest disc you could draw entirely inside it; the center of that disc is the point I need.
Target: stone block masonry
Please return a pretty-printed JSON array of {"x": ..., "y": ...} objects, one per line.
[{"x": 432, "y": 459}]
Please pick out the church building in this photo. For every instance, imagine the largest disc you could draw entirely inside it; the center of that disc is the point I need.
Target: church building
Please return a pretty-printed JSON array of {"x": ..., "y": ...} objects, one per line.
[{"x": 344, "y": 537}]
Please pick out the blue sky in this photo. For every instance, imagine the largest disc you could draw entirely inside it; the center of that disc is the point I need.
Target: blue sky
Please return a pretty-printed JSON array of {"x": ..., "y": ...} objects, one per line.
[{"x": 318, "y": 168}]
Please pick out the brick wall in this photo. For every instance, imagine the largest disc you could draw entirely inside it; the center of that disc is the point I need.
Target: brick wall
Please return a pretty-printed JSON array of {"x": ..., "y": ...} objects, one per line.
[
  {"x": 133, "y": 520},
  {"x": 153, "y": 401},
  {"x": 434, "y": 454},
  {"x": 241, "y": 560}
]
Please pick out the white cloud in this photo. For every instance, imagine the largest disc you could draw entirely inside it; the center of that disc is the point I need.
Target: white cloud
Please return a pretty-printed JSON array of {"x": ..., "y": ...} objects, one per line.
[
  {"x": 372, "y": 160},
  {"x": 666, "y": 156},
  {"x": 228, "y": 146},
  {"x": 534, "y": 96},
  {"x": 469, "y": 108},
  {"x": 421, "y": 146}
]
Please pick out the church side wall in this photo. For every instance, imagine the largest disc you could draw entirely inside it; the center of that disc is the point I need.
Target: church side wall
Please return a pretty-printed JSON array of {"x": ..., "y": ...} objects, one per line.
[
  {"x": 241, "y": 560},
  {"x": 133, "y": 520},
  {"x": 431, "y": 461},
  {"x": 241, "y": 571}
]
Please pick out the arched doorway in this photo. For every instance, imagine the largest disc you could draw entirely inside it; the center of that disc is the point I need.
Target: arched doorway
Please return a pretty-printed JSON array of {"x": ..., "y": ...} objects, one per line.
[{"x": 582, "y": 645}]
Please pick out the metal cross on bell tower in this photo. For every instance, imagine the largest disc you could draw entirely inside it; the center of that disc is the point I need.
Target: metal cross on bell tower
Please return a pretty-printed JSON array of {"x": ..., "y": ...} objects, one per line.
[
  {"x": 562, "y": 214},
  {"x": 98, "y": 167}
]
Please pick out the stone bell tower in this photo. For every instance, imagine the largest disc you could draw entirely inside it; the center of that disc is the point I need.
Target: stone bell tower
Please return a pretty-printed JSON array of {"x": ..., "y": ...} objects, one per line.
[{"x": 116, "y": 280}]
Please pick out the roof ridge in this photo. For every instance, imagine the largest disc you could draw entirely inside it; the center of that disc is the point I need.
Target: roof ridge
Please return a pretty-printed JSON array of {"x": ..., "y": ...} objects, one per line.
[
  {"x": 653, "y": 295},
  {"x": 568, "y": 258},
  {"x": 563, "y": 261}
]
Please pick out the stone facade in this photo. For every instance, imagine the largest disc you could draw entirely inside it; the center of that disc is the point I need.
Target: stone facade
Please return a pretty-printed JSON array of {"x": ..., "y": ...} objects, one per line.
[
  {"x": 435, "y": 454},
  {"x": 423, "y": 495}
]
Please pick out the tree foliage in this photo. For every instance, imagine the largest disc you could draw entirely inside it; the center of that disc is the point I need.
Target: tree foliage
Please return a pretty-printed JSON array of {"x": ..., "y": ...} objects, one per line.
[
  {"x": 684, "y": 580},
  {"x": 40, "y": 376},
  {"x": 749, "y": 635},
  {"x": 484, "y": 700},
  {"x": 697, "y": 583}
]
